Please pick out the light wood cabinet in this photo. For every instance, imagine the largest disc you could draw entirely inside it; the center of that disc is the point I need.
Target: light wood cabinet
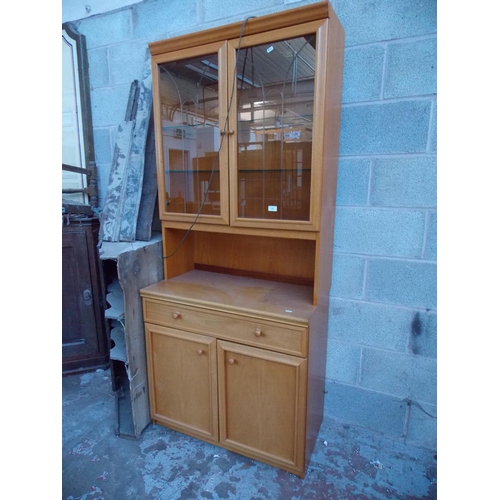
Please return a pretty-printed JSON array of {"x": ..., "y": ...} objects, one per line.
[
  {"x": 247, "y": 123},
  {"x": 227, "y": 362}
]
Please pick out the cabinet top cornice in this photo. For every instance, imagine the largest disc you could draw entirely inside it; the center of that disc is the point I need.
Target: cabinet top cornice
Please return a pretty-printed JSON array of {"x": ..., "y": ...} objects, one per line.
[{"x": 283, "y": 19}]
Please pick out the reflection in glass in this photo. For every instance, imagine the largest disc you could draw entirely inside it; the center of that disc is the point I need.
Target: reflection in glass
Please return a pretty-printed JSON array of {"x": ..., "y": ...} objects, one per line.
[
  {"x": 275, "y": 117},
  {"x": 190, "y": 130}
]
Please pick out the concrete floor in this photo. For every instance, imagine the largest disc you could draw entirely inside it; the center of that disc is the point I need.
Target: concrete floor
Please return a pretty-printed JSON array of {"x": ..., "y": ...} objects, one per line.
[{"x": 347, "y": 463}]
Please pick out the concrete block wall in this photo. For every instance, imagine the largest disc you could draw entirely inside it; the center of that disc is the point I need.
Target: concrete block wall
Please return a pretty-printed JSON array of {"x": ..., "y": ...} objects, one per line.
[
  {"x": 383, "y": 316},
  {"x": 381, "y": 368}
]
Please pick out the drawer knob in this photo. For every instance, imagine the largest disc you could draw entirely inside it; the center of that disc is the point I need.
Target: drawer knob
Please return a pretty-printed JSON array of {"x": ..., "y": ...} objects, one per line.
[
  {"x": 176, "y": 315},
  {"x": 230, "y": 361},
  {"x": 258, "y": 332},
  {"x": 200, "y": 351}
]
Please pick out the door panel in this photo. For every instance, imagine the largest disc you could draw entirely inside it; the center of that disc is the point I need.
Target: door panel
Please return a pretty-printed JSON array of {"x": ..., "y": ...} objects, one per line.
[
  {"x": 262, "y": 404},
  {"x": 193, "y": 157},
  {"x": 275, "y": 170},
  {"x": 183, "y": 381},
  {"x": 79, "y": 328}
]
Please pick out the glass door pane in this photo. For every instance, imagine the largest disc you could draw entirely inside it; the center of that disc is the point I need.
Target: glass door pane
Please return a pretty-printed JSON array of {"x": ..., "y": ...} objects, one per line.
[
  {"x": 189, "y": 97},
  {"x": 275, "y": 96}
]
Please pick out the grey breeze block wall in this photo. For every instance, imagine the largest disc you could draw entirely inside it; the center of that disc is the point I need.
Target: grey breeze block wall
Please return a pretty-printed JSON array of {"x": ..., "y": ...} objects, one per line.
[{"x": 381, "y": 365}]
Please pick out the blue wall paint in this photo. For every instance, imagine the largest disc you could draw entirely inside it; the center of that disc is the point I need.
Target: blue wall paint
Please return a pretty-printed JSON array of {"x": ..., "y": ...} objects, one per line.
[{"x": 382, "y": 330}]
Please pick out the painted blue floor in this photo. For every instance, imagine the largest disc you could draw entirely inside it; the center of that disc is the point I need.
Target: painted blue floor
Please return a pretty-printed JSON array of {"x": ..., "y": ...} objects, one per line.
[{"x": 347, "y": 463}]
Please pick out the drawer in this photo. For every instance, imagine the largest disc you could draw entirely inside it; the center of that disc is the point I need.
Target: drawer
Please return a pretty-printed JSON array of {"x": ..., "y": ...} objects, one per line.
[{"x": 276, "y": 336}]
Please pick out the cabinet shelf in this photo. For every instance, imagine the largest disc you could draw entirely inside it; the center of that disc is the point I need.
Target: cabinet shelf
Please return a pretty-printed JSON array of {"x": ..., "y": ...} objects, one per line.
[
  {"x": 192, "y": 172},
  {"x": 272, "y": 170}
]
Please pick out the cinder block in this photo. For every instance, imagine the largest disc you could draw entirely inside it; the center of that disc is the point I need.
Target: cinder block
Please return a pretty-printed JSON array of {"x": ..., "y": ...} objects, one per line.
[
  {"x": 402, "y": 282},
  {"x": 402, "y": 375},
  {"x": 106, "y": 29},
  {"x": 363, "y": 69},
  {"x": 387, "y": 327},
  {"x": 347, "y": 276},
  {"x": 390, "y": 127},
  {"x": 422, "y": 428},
  {"x": 433, "y": 131},
  {"x": 102, "y": 146},
  {"x": 343, "y": 362},
  {"x": 411, "y": 69},
  {"x": 292, "y": 4},
  {"x": 358, "y": 406},
  {"x": 213, "y": 10},
  {"x": 109, "y": 105},
  {"x": 353, "y": 182},
  {"x": 127, "y": 61},
  {"x": 404, "y": 182},
  {"x": 423, "y": 337},
  {"x": 373, "y": 20},
  {"x": 98, "y": 68},
  {"x": 159, "y": 19},
  {"x": 398, "y": 233},
  {"x": 431, "y": 243}
]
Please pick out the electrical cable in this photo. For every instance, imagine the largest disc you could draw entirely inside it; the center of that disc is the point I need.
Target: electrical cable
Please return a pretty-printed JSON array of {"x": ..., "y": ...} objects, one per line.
[{"x": 216, "y": 158}]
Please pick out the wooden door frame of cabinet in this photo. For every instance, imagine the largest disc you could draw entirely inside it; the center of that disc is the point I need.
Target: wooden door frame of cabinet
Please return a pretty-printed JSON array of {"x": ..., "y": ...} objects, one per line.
[
  {"x": 317, "y": 27},
  {"x": 211, "y": 345},
  {"x": 297, "y": 465},
  {"x": 219, "y": 48}
]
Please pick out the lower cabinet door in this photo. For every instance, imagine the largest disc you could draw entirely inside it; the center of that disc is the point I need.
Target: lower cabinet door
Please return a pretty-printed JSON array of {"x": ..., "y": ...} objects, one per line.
[
  {"x": 262, "y": 404},
  {"x": 182, "y": 373}
]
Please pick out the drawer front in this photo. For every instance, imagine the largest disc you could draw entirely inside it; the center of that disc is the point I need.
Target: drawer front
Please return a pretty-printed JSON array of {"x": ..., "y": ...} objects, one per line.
[{"x": 250, "y": 331}]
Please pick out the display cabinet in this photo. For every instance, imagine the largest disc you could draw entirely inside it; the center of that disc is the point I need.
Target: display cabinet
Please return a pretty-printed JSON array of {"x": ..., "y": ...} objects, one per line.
[{"x": 247, "y": 130}]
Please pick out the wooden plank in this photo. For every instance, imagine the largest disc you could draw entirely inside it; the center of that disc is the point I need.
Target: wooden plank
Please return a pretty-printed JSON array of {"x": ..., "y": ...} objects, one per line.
[
  {"x": 138, "y": 264},
  {"x": 121, "y": 207},
  {"x": 148, "y": 213},
  {"x": 138, "y": 268},
  {"x": 135, "y": 171}
]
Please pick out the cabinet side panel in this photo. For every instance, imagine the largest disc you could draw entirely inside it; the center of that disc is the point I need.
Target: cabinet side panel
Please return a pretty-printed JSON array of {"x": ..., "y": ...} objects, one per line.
[
  {"x": 158, "y": 136},
  {"x": 318, "y": 335},
  {"x": 178, "y": 255},
  {"x": 333, "y": 59}
]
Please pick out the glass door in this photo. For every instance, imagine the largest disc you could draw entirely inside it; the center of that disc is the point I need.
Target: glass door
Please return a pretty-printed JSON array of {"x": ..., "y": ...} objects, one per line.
[
  {"x": 191, "y": 107},
  {"x": 274, "y": 116}
]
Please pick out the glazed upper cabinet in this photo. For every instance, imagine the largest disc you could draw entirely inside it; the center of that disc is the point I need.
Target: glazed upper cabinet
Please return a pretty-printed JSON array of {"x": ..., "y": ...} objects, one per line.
[{"x": 242, "y": 125}]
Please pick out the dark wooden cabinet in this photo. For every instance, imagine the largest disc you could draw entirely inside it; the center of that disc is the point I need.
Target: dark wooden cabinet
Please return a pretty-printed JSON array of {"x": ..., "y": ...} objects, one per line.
[{"x": 84, "y": 340}]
